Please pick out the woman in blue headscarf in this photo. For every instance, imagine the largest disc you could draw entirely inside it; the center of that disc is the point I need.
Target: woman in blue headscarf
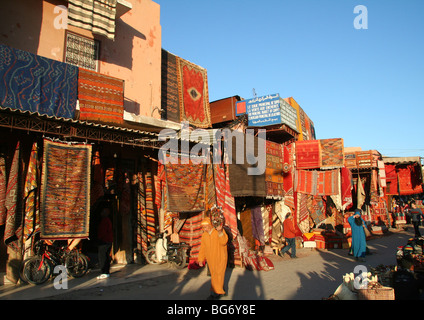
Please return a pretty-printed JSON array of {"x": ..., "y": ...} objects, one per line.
[{"x": 359, "y": 245}]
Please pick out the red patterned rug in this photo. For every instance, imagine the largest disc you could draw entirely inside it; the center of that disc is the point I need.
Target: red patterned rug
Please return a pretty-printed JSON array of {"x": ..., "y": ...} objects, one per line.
[
  {"x": 65, "y": 190},
  {"x": 193, "y": 94},
  {"x": 308, "y": 154}
]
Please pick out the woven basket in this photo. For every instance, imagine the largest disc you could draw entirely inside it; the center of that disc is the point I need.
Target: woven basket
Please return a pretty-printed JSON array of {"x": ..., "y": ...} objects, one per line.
[{"x": 377, "y": 293}]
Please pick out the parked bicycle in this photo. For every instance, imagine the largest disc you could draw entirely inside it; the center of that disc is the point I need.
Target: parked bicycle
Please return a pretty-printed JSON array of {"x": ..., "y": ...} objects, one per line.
[{"x": 40, "y": 267}]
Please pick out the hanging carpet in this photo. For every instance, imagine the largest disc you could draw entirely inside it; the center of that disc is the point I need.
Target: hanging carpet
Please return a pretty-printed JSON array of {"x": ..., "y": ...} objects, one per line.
[
  {"x": 169, "y": 93},
  {"x": 65, "y": 190},
  {"x": 288, "y": 174},
  {"x": 410, "y": 179},
  {"x": 332, "y": 153},
  {"x": 97, "y": 16},
  {"x": 308, "y": 154},
  {"x": 14, "y": 215},
  {"x": 302, "y": 211},
  {"x": 346, "y": 188},
  {"x": 101, "y": 97},
  {"x": 317, "y": 209},
  {"x": 186, "y": 187},
  {"x": 191, "y": 232},
  {"x": 224, "y": 198},
  {"x": 32, "y": 212},
  {"x": 37, "y": 84},
  {"x": 3, "y": 184},
  {"x": 193, "y": 94},
  {"x": 142, "y": 243},
  {"x": 274, "y": 170},
  {"x": 391, "y": 179},
  {"x": 322, "y": 183}
]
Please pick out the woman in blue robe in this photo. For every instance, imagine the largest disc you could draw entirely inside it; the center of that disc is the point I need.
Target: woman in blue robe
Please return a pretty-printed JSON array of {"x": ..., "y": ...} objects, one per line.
[{"x": 359, "y": 245}]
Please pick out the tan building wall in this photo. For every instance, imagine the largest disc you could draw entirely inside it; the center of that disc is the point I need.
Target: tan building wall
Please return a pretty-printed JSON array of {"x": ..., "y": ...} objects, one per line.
[{"x": 134, "y": 55}]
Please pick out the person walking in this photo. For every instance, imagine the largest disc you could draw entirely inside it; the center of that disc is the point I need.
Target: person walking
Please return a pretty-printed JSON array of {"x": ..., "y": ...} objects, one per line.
[
  {"x": 289, "y": 233},
  {"x": 213, "y": 250},
  {"x": 416, "y": 216},
  {"x": 359, "y": 244},
  {"x": 105, "y": 238}
]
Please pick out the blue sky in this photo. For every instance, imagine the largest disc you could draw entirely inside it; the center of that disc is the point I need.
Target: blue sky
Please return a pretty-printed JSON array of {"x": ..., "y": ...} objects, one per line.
[{"x": 365, "y": 86}]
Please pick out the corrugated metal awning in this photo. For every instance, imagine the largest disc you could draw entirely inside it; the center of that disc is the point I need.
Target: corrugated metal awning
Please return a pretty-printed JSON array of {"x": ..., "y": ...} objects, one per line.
[{"x": 78, "y": 129}]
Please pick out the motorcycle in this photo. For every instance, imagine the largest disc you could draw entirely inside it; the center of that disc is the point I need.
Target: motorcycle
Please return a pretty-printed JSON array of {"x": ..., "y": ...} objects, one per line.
[{"x": 163, "y": 251}]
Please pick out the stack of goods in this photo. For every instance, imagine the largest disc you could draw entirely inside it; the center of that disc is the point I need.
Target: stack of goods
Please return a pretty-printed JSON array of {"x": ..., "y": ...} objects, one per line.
[{"x": 364, "y": 287}]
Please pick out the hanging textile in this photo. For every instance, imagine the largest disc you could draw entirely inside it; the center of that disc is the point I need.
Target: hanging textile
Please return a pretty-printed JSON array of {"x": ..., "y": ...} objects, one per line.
[
  {"x": 332, "y": 153},
  {"x": 3, "y": 184},
  {"x": 211, "y": 199},
  {"x": 32, "y": 213},
  {"x": 337, "y": 198},
  {"x": 37, "y": 84},
  {"x": 302, "y": 211},
  {"x": 346, "y": 188},
  {"x": 101, "y": 97},
  {"x": 150, "y": 210},
  {"x": 160, "y": 191},
  {"x": 142, "y": 242},
  {"x": 322, "y": 183},
  {"x": 186, "y": 187},
  {"x": 266, "y": 211},
  {"x": 374, "y": 194},
  {"x": 65, "y": 190},
  {"x": 97, "y": 16},
  {"x": 274, "y": 170},
  {"x": 381, "y": 173},
  {"x": 14, "y": 222},
  {"x": 191, "y": 233},
  {"x": 410, "y": 179},
  {"x": 169, "y": 96},
  {"x": 317, "y": 207},
  {"x": 193, "y": 94},
  {"x": 308, "y": 154},
  {"x": 160, "y": 185},
  {"x": 360, "y": 193},
  {"x": 288, "y": 174},
  {"x": 391, "y": 179},
  {"x": 224, "y": 198}
]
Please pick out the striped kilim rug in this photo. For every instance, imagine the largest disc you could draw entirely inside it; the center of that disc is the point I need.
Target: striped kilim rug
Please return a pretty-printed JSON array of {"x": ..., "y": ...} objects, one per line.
[{"x": 65, "y": 190}]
